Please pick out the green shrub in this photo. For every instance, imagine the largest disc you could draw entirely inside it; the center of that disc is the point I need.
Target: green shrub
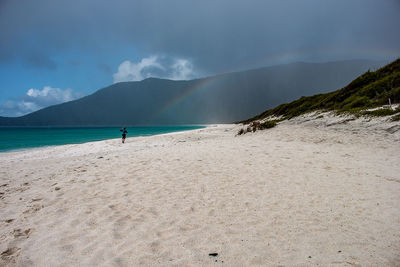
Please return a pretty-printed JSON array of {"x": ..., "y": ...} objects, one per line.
[
  {"x": 267, "y": 125},
  {"x": 394, "y": 95},
  {"x": 357, "y": 101},
  {"x": 380, "y": 112}
]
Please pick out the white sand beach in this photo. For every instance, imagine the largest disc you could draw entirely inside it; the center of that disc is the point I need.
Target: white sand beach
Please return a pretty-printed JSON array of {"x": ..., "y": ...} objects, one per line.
[{"x": 311, "y": 191}]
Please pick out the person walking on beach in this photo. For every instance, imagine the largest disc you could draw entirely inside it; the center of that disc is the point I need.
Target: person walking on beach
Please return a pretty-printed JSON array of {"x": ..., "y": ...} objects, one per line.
[{"x": 124, "y": 132}]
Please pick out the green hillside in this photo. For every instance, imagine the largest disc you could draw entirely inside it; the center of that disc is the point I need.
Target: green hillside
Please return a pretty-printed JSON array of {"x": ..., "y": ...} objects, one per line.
[{"x": 372, "y": 89}]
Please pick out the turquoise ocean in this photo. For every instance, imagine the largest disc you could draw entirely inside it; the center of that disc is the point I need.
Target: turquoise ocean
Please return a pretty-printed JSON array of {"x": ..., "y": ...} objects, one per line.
[{"x": 17, "y": 138}]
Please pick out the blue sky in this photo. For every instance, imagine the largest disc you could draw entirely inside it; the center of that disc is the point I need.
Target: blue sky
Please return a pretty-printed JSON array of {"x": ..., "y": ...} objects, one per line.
[{"x": 56, "y": 51}]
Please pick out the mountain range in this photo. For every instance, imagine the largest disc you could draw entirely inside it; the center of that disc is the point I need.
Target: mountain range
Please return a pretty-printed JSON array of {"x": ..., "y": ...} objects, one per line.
[{"x": 222, "y": 98}]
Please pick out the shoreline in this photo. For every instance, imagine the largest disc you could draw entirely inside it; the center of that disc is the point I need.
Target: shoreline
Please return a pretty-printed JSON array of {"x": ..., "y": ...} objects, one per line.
[
  {"x": 306, "y": 192},
  {"x": 50, "y": 146}
]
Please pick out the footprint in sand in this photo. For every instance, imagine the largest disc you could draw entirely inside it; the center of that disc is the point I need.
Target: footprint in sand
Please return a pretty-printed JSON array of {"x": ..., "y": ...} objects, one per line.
[
  {"x": 19, "y": 233},
  {"x": 9, "y": 255},
  {"x": 33, "y": 208}
]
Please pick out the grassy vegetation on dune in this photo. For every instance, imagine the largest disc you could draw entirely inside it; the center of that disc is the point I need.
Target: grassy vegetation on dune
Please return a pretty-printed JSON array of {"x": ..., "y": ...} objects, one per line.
[
  {"x": 372, "y": 89},
  {"x": 380, "y": 112},
  {"x": 396, "y": 118},
  {"x": 256, "y": 125}
]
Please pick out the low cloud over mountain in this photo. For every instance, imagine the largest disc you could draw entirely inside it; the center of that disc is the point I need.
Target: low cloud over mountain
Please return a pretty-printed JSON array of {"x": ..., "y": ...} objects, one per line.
[{"x": 154, "y": 66}]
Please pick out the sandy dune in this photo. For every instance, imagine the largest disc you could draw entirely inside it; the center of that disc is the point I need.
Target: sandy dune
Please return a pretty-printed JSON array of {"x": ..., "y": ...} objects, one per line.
[{"x": 310, "y": 191}]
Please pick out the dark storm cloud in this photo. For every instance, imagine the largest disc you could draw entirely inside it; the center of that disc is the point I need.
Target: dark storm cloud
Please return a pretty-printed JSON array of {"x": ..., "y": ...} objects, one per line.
[{"x": 217, "y": 36}]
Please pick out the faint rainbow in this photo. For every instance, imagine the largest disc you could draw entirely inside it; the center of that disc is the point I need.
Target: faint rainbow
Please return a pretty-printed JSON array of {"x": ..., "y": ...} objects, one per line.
[
  {"x": 205, "y": 83},
  {"x": 281, "y": 58}
]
